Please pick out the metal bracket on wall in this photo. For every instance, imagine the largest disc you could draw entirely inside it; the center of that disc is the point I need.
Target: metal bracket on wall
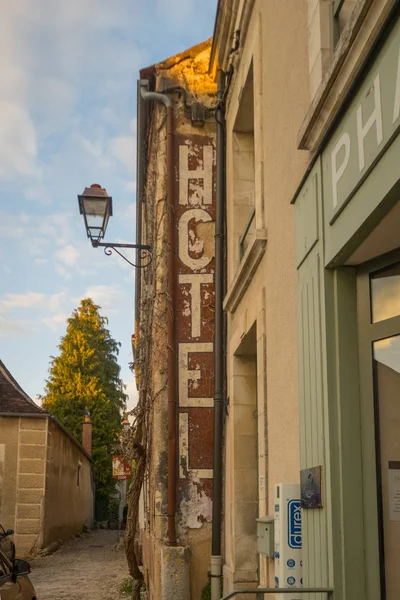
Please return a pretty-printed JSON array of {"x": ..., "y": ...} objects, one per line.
[
  {"x": 144, "y": 255},
  {"x": 226, "y": 405}
]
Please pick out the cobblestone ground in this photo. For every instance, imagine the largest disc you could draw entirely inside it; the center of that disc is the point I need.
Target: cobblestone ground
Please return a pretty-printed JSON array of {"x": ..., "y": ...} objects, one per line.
[{"x": 87, "y": 568}]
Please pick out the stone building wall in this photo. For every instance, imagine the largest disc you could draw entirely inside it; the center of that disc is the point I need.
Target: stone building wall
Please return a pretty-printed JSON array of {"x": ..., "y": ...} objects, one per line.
[
  {"x": 69, "y": 493},
  {"x": 194, "y": 173},
  {"x": 268, "y": 95},
  {"x": 38, "y": 465}
]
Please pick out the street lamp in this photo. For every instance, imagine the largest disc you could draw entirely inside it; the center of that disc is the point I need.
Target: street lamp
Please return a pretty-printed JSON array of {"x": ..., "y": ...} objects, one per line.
[{"x": 96, "y": 207}]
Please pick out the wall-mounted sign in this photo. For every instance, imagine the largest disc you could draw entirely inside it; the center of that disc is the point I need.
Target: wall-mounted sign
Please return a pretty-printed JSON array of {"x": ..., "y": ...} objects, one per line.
[
  {"x": 366, "y": 130},
  {"x": 310, "y": 488},
  {"x": 122, "y": 469},
  {"x": 288, "y": 538},
  {"x": 394, "y": 490}
]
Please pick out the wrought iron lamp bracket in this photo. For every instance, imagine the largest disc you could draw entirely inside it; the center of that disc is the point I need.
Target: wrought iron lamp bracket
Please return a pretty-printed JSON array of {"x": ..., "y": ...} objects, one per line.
[{"x": 144, "y": 252}]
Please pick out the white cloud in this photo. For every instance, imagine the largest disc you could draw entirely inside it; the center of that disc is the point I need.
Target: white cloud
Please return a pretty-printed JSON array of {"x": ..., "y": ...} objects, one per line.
[
  {"x": 57, "y": 300},
  {"x": 28, "y": 300},
  {"x": 129, "y": 214},
  {"x": 38, "y": 192},
  {"x": 130, "y": 186},
  {"x": 18, "y": 148},
  {"x": 56, "y": 308},
  {"x": 56, "y": 322},
  {"x": 11, "y": 327},
  {"x": 132, "y": 392},
  {"x": 124, "y": 149},
  {"x": 106, "y": 296},
  {"x": 68, "y": 255}
]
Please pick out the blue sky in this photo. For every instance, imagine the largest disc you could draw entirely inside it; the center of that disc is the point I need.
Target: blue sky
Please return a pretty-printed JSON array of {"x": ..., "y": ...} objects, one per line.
[{"x": 67, "y": 120}]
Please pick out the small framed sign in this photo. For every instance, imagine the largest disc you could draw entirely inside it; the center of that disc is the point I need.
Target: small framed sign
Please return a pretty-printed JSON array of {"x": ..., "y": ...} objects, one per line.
[
  {"x": 122, "y": 469},
  {"x": 310, "y": 488}
]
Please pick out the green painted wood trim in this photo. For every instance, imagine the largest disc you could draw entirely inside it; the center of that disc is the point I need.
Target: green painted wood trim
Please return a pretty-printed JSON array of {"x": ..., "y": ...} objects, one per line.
[
  {"x": 368, "y": 333},
  {"x": 347, "y": 450},
  {"x": 370, "y": 501}
]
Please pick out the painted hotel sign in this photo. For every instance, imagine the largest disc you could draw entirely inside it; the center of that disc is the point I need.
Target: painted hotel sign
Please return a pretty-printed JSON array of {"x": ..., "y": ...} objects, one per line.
[
  {"x": 369, "y": 127},
  {"x": 195, "y": 215}
]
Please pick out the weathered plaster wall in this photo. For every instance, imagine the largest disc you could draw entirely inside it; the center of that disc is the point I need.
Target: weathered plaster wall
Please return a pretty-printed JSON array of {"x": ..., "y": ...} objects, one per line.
[
  {"x": 69, "y": 491},
  {"x": 153, "y": 353},
  {"x": 194, "y": 214}
]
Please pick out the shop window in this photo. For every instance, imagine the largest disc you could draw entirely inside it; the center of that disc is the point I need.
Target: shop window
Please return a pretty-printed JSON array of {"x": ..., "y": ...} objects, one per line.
[
  {"x": 341, "y": 13},
  {"x": 385, "y": 293},
  {"x": 243, "y": 209}
]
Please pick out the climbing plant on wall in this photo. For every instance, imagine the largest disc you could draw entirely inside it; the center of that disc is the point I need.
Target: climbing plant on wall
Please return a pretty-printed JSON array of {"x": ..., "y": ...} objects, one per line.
[{"x": 86, "y": 374}]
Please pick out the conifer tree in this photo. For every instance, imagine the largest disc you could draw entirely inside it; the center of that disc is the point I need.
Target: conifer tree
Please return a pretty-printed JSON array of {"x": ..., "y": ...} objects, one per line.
[{"x": 86, "y": 374}]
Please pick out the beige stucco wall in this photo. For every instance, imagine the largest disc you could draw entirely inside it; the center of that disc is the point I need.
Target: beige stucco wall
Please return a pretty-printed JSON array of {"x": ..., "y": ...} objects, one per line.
[
  {"x": 262, "y": 440},
  {"x": 38, "y": 465},
  {"x": 67, "y": 505}
]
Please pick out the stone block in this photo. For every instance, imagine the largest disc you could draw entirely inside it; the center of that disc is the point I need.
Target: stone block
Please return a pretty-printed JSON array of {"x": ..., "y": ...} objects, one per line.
[
  {"x": 31, "y": 481},
  {"x": 244, "y": 166},
  {"x": 32, "y": 465},
  {"x": 33, "y": 423},
  {"x": 25, "y": 526},
  {"x": 243, "y": 142},
  {"x": 175, "y": 573},
  {"x": 246, "y": 451},
  {"x": 244, "y": 391},
  {"x": 246, "y": 557},
  {"x": 29, "y": 496},
  {"x": 32, "y": 437},
  {"x": 24, "y": 543},
  {"x": 244, "y": 365},
  {"x": 245, "y": 485},
  {"x": 244, "y": 418},
  {"x": 245, "y": 518},
  {"x": 28, "y": 511},
  {"x": 32, "y": 451}
]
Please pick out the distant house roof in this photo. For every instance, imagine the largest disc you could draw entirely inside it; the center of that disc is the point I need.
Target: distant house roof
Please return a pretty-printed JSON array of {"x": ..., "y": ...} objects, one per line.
[{"x": 13, "y": 399}]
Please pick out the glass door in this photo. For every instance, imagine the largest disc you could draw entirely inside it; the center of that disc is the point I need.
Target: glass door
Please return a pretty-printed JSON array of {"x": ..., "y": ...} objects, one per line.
[{"x": 379, "y": 335}]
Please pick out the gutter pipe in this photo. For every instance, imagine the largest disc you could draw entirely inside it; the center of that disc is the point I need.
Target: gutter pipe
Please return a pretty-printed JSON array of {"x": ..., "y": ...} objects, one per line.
[
  {"x": 163, "y": 99},
  {"x": 216, "y": 555},
  {"x": 140, "y": 174}
]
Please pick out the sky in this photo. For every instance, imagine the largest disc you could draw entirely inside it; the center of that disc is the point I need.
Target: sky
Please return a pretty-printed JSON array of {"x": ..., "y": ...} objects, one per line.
[{"x": 67, "y": 120}]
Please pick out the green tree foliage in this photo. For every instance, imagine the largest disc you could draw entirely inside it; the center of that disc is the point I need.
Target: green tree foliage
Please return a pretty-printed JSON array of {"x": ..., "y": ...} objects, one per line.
[{"x": 86, "y": 374}]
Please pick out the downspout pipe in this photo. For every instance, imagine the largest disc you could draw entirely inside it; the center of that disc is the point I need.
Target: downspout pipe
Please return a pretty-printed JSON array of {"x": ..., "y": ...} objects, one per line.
[
  {"x": 171, "y": 286},
  {"x": 216, "y": 554},
  {"x": 140, "y": 178}
]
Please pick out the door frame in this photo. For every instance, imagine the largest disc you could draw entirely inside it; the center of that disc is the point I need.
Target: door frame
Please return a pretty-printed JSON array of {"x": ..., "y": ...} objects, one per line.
[{"x": 368, "y": 333}]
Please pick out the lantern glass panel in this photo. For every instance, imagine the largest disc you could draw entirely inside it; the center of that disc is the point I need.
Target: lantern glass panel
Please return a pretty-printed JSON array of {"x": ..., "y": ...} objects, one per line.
[{"x": 95, "y": 210}]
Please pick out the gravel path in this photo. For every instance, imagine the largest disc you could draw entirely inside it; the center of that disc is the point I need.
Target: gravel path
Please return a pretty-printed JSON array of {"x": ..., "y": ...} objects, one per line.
[{"x": 87, "y": 568}]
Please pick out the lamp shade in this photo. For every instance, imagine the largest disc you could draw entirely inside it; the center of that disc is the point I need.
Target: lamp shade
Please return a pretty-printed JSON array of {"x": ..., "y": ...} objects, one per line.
[{"x": 96, "y": 207}]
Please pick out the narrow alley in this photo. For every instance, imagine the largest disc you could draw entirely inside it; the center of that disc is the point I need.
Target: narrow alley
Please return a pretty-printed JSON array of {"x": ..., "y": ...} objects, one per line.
[{"x": 90, "y": 568}]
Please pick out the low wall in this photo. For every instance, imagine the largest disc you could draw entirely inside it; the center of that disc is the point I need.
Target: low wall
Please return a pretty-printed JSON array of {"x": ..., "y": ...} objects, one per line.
[{"x": 69, "y": 487}]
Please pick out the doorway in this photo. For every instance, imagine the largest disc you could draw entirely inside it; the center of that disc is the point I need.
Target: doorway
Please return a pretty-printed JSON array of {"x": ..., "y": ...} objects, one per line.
[{"x": 378, "y": 299}]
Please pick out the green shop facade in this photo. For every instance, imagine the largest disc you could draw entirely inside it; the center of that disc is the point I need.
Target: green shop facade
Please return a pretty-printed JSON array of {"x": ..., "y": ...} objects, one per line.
[{"x": 347, "y": 215}]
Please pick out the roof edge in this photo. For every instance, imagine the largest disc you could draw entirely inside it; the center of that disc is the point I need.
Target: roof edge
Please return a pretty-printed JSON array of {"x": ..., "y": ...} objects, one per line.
[
  {"x": 167, "y": 63},
  {"x": 12, "y": 381}
]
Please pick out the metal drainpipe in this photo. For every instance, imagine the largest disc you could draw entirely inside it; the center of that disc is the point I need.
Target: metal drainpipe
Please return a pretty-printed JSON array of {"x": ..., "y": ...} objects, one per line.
[
  {"x": 141, "y": 126},
  {"x": 216, "y": 556},
  {"x": 157, "y": 97}
]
